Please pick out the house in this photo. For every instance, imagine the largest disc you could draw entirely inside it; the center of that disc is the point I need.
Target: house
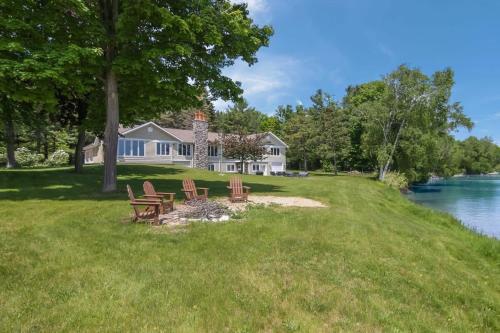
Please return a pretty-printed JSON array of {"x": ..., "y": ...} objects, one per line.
[{"x": 198, "y": 148}]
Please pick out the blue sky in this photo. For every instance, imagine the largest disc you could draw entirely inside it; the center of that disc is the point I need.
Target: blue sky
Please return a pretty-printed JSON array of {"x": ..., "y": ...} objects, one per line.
[{"x": 330, "y": 44}]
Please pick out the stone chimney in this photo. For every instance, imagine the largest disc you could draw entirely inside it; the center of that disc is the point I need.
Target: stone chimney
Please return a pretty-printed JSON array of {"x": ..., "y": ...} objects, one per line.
[{"x": 200, "y": 134}]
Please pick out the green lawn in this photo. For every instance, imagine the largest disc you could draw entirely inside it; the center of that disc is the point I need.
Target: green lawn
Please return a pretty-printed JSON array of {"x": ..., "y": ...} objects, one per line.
[{"x": 373, "y": 261}]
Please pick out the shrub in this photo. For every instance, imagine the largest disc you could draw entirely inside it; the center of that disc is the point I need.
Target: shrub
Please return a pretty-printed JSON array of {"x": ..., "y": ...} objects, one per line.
[
  {"x": 396, "y": 180},
  {"x": 25, "y": 158},
  {"x": 3, "y": 156},
  {"x": 58, "y": 158},
  {"x": 327, "y": 166}
]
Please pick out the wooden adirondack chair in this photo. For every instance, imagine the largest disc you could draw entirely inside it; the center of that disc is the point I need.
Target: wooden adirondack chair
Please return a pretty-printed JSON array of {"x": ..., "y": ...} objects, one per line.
[
  {"x": 237, "y": 192},
  {"x": 151, "y": 212},
  {"x": 166, "y": 198},
  {"x": 191, "y": 191}
]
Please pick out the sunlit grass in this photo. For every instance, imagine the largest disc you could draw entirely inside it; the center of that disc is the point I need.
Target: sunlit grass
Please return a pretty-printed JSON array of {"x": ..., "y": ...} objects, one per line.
[{"x": 372, "y": 261}]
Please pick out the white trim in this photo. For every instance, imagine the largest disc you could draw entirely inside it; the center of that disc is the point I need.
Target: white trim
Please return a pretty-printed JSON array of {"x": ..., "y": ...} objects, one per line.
[
  {"x": 124, "y": 140},
  {"x": 277, "y": 138},
  {"x": 151, "y": 123},
  {"x": 191, "y": 149},
  {"x": 170, "y": 147}
]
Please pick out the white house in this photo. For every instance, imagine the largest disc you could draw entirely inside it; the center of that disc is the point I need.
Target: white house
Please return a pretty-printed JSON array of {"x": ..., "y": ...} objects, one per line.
[{"x": 152, "y": 144}]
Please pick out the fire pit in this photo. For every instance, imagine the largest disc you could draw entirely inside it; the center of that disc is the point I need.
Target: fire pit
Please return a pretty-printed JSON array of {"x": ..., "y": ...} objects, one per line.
[{"x": 205, "y": 210}]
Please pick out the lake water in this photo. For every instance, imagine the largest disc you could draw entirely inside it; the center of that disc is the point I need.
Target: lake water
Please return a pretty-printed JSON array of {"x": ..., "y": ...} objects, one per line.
[{"x": 474, "y": 200}]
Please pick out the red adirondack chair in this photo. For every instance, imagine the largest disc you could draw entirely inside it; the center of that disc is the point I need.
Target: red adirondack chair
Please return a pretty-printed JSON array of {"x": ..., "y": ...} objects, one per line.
[
  {"x": 191, "y": 191},
  {"x": 151, "y": 211},
  {"x": 166, "y": 198},
  {"x": 237, "y": 192}
]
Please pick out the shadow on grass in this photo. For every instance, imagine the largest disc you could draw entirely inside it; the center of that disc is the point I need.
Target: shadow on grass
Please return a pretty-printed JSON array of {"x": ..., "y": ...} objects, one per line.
[{"x": 64, "y": 184}]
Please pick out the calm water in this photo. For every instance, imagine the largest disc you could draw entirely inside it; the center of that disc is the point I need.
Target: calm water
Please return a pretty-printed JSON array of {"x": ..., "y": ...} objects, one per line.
[{"x": 474, "y": 200}]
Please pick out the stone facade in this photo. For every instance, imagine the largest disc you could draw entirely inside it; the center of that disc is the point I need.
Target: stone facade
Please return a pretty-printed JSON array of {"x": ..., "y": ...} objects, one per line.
[{"x": 200, "y": 133}]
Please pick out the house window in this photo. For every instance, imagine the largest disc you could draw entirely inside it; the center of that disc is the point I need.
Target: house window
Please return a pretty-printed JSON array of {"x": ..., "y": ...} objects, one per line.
[
  {"x": 184, "y": 149},
  {"x": 212, "y": 151},
  {"x": 230, "y": 168},
  {"x": 274, "y": 151},
  {"x": 162, "y": 148},
  {"x": 255, "y": 167},
  {"x": 211, "y": 167},
  {"x": 130, "y": 147}
]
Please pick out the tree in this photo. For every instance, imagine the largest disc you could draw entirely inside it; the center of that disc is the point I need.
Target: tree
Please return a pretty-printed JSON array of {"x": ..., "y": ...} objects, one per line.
[
  {"x": 301, "y": 136},
  {"x": 184, "y": 118},
  {"x": 333, "y": 130},
  {"x": 42, "y": 50},
  {"x": 355, "y": 97},
  {"x": 479, "y": 155},
  {"x": 240, "y": 118},
  {"x": 414, "y": 110},
  {"x": 244, "y": 148},
  {"x": 162, "y": 54}
]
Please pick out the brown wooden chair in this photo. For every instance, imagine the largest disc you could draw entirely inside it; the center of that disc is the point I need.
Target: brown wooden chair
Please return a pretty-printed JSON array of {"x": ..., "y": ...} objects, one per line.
[
  {"x": 166, "y": 198},
  {"x": 151, "y": 212},
  {"x": 237, "y": 192},
  {"x": 191, "y": 191}
]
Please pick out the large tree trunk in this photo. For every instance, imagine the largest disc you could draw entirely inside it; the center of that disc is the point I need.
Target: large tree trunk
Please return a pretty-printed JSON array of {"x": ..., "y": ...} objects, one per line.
[
  {"x": 111, "y": 132},
  {"x": 109, "y": 9},
  {"x": 10, "y": 138},
  {"x": 79, "y": 149}
]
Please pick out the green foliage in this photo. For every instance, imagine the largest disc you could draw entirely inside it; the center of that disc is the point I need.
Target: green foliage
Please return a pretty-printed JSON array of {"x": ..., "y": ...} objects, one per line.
[
  {"x": 396, "y": 180},
  {"x": 240, "y": 118},
  {"x": 327, "y": 166},
  {"x": 58, "y": 158},
  {"x": 28, "y": 159},
  {"x": 479, "y": 155}
]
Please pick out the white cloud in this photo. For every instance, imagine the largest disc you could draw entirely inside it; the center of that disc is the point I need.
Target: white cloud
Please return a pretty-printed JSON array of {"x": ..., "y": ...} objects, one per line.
[
  {"x": 265, "y": 82},
  {"x": 259, "y": 9},
  {"x": 257, "y": 6}
]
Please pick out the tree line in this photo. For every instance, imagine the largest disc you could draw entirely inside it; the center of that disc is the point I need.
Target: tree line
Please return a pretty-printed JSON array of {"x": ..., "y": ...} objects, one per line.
[{"x": 403, "y": 122}]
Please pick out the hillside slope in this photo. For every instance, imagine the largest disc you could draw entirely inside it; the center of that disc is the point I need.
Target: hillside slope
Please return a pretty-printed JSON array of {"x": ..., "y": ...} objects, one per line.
[{"x": 371, "y": 261}]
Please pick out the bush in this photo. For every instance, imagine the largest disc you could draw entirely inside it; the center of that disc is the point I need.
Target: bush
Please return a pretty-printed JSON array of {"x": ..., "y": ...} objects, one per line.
[
  {"x": 327, "y": 166},
  {"x": 3, "y": 156},
  {"x": 396, "y": 180},
  {"x": 58, "y": 158},
  {"x": 25, "y": 158}
]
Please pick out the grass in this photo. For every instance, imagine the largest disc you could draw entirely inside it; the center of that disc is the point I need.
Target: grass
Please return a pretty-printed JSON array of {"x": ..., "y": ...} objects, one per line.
[{"x": 372, "y": 261}]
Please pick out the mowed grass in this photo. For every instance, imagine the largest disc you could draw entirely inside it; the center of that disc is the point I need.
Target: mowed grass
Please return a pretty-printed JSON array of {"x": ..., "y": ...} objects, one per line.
[{"x": 372, "y": 261}]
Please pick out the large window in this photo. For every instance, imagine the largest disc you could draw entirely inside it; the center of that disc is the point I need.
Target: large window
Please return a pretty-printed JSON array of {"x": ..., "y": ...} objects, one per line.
[
  {"x": 274, "y": 151},
  {"x": 230, "y": 168},
  {"x": 130, "y": 147},
  {"x": 162, "y": 148},
  {"x": 184, "y": 149},
  {"x": 212, "y": 151}
]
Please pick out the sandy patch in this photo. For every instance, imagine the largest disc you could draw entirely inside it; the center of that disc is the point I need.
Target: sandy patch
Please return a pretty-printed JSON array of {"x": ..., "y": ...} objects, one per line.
[
  {"x": 174, "y": 218},
  {"x": 270, "y": 199}
]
